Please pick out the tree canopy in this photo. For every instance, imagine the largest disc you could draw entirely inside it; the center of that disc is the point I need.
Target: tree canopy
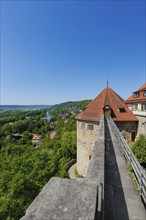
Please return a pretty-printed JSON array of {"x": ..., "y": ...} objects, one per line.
[
  {"x": 139, "y": 149},
  {"x": 25, "y": 169}
]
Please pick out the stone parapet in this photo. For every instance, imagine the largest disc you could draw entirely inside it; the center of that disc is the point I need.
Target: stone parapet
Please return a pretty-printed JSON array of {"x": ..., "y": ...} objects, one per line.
[
  {"x": 64, "y": 199},
  {"x": 96, "y": 165}
]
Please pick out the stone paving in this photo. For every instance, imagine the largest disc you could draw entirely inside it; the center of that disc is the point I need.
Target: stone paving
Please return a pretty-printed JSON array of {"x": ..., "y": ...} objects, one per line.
[{"x": 122, "y": 201}]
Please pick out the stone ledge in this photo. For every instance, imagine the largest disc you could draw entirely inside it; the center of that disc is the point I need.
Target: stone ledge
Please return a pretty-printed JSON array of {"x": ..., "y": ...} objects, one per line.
[{"x": 64, "y": 199}]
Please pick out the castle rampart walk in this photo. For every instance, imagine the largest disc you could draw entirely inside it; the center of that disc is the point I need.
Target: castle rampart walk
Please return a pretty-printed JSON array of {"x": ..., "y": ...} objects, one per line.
[{"x": 122, "y": 201}]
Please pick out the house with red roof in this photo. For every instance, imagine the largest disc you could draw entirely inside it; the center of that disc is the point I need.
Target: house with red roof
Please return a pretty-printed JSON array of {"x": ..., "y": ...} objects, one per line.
[
  {"x": 52, "y": 134},
  {"x": 137, "y": 104},
  {"x": 108, "y": 103},
  {"x": 36, "y": 138}
]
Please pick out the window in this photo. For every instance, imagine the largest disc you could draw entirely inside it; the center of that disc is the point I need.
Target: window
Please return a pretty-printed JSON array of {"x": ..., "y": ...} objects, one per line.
[
  {"x": 89, "y": 157},
  {"x": 143, "y": 106},
  {"x": 144, "y": 93},
  {"x": 135, "y": 107},
  {"x": 122, "y": 110},
  {"x": 90, "y": 127},
  {"x": 136, "y": 94},
  {"x": 133, "y": 128},
  {"x": 120, "y": 128},
  {"x": 83, "y": 126}
]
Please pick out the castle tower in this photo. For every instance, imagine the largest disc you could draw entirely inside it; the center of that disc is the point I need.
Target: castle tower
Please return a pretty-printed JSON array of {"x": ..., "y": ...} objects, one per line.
[{"x": 108, "y": 103}]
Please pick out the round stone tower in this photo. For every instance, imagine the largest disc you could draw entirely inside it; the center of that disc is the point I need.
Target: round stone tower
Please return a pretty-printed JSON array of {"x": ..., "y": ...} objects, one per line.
[{"x": 86, "y": 137}]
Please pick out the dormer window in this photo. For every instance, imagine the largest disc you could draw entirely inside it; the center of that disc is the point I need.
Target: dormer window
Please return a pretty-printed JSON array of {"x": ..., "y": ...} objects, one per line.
[
  {"x": 107, "y": 107},
  {"x": 122, "y": 110},
  {"x": 144, "y": 93},
  {"x": 136, "y": 94}
]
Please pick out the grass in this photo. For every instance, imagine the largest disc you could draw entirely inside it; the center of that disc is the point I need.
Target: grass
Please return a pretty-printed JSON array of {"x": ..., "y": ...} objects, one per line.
[{"x": 133, "y": 177}]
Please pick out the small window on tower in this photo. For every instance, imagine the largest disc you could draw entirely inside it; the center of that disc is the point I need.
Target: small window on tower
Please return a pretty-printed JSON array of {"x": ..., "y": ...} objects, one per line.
[
  {"x": 83, "y": 126},
  {"x": 90, "y": 127},
  {"x": 122, "y": 110}
]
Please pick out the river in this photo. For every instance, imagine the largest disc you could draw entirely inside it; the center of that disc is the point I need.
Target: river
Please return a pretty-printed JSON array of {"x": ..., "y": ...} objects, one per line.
[{"x": 48, "y": 117}]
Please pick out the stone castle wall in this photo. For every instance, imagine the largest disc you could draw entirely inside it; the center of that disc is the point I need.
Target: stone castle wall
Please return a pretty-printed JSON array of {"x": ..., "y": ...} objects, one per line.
[
  {"x": 86, "y": 137},
  {"x": 141, "y": 124},
  {"x": 127, "y": 128}
]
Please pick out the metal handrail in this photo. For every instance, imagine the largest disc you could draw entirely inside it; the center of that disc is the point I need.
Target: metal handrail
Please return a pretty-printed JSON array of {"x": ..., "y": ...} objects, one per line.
[{"x": 138, "y": 170}]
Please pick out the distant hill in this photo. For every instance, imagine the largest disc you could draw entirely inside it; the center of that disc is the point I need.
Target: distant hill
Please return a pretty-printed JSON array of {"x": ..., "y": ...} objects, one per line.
[
  {"x": 22, "y": 107},
  {"x": 71, "y": 105}
]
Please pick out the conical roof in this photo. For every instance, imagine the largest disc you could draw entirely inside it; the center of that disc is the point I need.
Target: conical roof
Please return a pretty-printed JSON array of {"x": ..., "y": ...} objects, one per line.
[{"x": 109, "y": 98}]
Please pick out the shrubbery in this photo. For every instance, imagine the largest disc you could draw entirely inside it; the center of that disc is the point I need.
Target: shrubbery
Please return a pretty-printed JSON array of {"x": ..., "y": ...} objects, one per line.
[{"x": 139, "y": 149}]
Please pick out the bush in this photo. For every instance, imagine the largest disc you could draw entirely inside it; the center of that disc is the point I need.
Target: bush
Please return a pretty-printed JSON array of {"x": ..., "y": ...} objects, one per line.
[{"x": 139, "y": 149}]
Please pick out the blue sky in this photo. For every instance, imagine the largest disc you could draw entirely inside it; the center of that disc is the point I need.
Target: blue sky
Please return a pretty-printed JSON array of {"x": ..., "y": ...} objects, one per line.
[{"x": 58, "y": 51}]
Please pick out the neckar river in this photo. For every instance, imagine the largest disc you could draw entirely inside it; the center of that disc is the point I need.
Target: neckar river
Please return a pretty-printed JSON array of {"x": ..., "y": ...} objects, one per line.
[{"x": 48, "y": 116}]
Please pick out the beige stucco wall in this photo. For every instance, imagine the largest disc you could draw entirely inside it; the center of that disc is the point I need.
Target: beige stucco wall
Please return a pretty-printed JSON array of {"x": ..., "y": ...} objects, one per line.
[
  {"x": 85, "y": 143},
  {"x": 141, "y": 116}
]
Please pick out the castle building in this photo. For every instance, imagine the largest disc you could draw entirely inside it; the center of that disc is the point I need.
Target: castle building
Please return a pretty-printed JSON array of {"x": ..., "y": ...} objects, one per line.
[
  {"x": 108, "y": 103},
  {"x": 137, "y": 104}
]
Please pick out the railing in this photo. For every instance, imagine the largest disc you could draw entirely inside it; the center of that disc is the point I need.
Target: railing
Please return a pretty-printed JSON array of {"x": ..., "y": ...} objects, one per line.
[{"x": 140, "y": 173}]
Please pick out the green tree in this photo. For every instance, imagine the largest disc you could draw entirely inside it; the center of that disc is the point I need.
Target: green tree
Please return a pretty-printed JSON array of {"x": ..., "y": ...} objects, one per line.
[
  {"x": 6, "y": 130},
  {"x": 62, "y": 167},
  {"x": 68, "y": 144},
  {"x": 139, "y": 149},
  {"x": 23, "y": 174},
  {"x": 20, "y": 126}
]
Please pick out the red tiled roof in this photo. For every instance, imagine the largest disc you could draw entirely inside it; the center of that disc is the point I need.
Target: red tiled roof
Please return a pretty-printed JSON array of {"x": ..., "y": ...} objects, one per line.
[
  {"x": 108, "y": 97},
  {"x": 52, "y": 134},
  {"x": 36, "y": 137},
  {"x": 140, "y": 98},
  {"x": 141, "y": 88}
]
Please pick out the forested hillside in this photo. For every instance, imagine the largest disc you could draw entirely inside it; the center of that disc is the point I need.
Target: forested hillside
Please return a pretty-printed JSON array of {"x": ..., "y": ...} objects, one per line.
[{"x": 75, "y": 106}]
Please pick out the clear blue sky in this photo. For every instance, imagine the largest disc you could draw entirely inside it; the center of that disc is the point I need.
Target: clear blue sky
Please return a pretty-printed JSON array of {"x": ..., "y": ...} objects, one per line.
[{"x": 57, "y": 51}]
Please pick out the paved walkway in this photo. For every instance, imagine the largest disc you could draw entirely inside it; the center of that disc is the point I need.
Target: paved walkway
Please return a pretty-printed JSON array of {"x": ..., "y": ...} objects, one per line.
[{"x": 122, "y": 201}]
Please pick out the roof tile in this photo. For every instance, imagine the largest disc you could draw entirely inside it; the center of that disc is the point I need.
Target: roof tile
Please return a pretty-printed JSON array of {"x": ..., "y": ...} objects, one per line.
[{"x": 108, "y": 97}]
